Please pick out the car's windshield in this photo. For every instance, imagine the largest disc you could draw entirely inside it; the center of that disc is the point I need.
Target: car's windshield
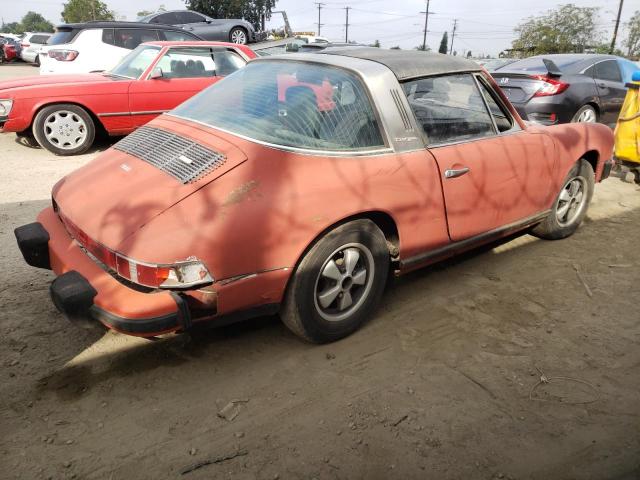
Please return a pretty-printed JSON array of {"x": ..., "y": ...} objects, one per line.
[
  {"x": 134, "y": 64},
  {"x": 292, "y": 104}
]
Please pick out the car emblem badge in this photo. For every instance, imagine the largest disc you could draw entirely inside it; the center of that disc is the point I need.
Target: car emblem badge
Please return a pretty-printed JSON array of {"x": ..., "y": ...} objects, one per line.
[
  {"x": 125, "y": 167},
  {"x": 504, "y": 80}
]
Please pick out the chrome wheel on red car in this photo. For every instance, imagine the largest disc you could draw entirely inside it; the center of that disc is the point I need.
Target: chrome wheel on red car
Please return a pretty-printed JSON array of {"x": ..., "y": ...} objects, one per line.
[
  {"x": 571, "y": 201},
  {"x": 344, "y": 281},
  {"x": 338, "y": 283},
  {"x": 64, "y": 129}
]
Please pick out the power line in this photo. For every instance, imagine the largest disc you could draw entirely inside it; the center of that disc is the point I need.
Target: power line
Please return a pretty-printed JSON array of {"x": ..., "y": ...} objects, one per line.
[
  {"x": 346, "y": 25},
  {"x": 319, "y": 8},
  {"x": 426, "y": 22},
  {"x": 453, "y": 35},
  {"x": 615, "y": 29}
]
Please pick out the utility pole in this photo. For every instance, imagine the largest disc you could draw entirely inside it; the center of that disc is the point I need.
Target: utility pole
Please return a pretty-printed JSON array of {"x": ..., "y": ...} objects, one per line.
[
  {"x": 453, "y": 35},
  {"x": 346, "y": 25},
  {"x": 426, "y": 22},
  {"x": 615, "y": 29},
  {"x": 319, "y": 8}
]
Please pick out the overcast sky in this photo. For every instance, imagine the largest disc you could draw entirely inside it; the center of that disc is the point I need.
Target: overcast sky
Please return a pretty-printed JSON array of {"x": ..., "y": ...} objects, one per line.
[{"x": 484, "y": 26}]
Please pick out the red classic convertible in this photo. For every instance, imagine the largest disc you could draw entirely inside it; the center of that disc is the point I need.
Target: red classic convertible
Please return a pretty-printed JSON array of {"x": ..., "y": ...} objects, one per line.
[
  {"x": 63, "y": 112},
  {"x": 273, "y": 201}
]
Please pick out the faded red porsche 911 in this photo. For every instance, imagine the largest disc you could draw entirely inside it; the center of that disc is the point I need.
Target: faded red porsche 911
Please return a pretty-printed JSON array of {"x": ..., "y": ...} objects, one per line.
[
  {"x": 63, "y": 113},
  {"x": 249, "y": 200}
]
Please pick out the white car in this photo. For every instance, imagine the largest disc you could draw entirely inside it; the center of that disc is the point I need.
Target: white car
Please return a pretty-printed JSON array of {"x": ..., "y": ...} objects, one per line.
[
  {"x": 97, "y": 46},
  {"x": 31, "y": 45}
]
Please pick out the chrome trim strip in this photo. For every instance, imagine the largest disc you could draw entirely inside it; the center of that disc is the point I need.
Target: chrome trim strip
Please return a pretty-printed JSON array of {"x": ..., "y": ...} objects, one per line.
[
  {"x": 451, "y": 249},
  {"x": 127, "y": 114}
]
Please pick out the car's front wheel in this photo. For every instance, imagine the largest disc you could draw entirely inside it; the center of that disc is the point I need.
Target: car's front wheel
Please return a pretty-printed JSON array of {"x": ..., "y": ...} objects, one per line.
[
  {"x": 238, "y": 35},
  {"x": 64, "y": 129},
  {"x": 571, "y": 204},
  {"x": 338, "y": 283},
  {"x": 585, "y": 114}
]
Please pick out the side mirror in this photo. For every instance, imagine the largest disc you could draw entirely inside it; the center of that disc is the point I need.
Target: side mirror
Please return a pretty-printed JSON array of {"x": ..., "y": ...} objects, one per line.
[{"x": 156, "y": 73}]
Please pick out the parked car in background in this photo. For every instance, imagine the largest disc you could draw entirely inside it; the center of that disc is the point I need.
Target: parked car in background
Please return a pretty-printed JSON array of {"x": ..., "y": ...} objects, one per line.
[
  {"x": 98, "y": 46},
  {"x": 31, "y": 44},
  {"x": 249, "y": 199},
  {"x": 550, "y": 89},
  {"x": 9, "y": 49},
  {"x": 492, "y": 64},
  {"x": 63, "y": 113},
  {"x": 224, "y": 29}
]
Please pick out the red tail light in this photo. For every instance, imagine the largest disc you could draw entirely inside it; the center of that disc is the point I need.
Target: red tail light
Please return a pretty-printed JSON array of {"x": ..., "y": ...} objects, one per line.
[
  {"x": 187, "y": 274},
  {"x": 63, "y": 55},
  {"x": 550, "y": 86}
]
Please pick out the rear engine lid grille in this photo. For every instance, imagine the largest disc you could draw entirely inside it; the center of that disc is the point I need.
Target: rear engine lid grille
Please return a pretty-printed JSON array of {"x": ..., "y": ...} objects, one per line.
[{"x": 184, "y": 159}]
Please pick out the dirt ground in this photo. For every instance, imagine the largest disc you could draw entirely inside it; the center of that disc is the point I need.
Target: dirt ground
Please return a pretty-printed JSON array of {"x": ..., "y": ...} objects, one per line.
[{"x": 440, "y": 384}]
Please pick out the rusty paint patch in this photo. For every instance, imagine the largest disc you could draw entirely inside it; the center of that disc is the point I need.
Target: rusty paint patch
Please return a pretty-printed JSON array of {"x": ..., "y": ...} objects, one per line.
[{"x": 240, "y": 193}]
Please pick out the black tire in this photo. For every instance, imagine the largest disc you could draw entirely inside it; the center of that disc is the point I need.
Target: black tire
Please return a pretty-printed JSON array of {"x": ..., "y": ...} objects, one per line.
[
  {"x": 37, "y": 61},
  {"x": 301, "y": 311},
  {"x": 552, "y": 228},
  {"x": 585, "y": 110},
  {"x": 68, "y": 144},
  {"x": 28, "y": 139},
  {"x": 239, "y": 32}
]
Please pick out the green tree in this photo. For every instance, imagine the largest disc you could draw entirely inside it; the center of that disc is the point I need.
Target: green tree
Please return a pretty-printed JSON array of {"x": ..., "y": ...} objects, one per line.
[
  {"x": 34, "y": 22},
  {"x": 84, "y": 10},
  {"x": 444, "y": 43},
  {"x": 250, "y": 10},
  {"x": 567, "y": 29},
  {"x": 632, "y": 42},
  {"x": 11, "y": 27}
]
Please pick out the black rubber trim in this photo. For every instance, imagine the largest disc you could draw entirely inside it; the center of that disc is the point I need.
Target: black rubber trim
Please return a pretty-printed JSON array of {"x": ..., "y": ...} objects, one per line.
[
  {"x": 73, "y": 296},
  {"x": 137, "y": 325},
  {"x": 33, "y": 241},
  {"x": 606, "y": 171},
  {"x": 183, "y": 310},
  {"x": 469, "y": 243}
]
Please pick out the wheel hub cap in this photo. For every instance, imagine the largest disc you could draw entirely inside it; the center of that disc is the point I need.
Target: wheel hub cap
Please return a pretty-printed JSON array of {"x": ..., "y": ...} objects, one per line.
[
  {"x": 344, "y": 282},
  {"x": 65, "y": 129},
  {"x": 571, "y": 201}
]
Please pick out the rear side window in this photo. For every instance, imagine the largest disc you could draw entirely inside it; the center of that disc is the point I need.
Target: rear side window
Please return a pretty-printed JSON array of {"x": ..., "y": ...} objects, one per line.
[
  {"x": 107, "y": 36},
  {"x": 41, "y": 39},
  {"x": 199, "y": 62},
  {"x": 189, "y": 17},
  {"x": 449, "y": 108},
  {"x": 166, "y": 19},
  {"x": 130, "y": 38},
  {"x": 608, "y": 70},
  {"x": 66, "y": 35},
  {"x": 176, "y": 36}
]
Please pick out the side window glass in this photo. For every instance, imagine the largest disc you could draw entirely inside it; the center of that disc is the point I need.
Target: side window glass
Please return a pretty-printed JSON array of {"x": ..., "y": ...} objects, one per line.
[
  {"x": 502, "y": 118},
  {"x": 449, "y": 108},
  {"x": 589, "y": 72},
  {"x": 608, "y": 70},
  {"x": 107, "y": 36},
  {"x": 165, "y": 19},
  {"x": 188, "y": 17},
  {"x": 130, "y": 38},
  {"x": 175, "y": 36},
  {"x": 199, "y": 62}
]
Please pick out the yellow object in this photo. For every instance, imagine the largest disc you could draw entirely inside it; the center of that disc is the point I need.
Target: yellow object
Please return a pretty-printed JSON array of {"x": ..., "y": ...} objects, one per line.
[{"x": 627, "y": 132}]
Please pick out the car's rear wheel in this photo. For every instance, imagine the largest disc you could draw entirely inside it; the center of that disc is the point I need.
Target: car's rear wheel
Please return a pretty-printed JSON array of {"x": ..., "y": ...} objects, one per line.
[
  {"x": 238, "y": 35},
  {"x": 585, "y": 114},
  {"x": 64, "y": 129},
  {"x": 338, "y": 283},
  {"x": 571, "y": 204}
]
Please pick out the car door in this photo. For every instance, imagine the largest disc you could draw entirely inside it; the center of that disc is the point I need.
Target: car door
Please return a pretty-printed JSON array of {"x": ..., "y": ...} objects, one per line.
[
  {"x": 493, "y": 173},
  {"x": 180, "y": 73},
  {"x": 611, "y": 89},
  {"x": 199, "y": 25}
]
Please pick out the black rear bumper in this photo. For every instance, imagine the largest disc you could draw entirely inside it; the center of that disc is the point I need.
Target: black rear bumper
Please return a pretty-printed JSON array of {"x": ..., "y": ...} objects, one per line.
[{"x": 33, "y": 242}]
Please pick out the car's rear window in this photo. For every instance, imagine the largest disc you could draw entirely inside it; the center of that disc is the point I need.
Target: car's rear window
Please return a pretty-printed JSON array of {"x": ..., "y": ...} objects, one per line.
[
  {"x": 61, "y": 36},
  {"x": 292, "y": 104},
  {"x": 42, "y": 39}
]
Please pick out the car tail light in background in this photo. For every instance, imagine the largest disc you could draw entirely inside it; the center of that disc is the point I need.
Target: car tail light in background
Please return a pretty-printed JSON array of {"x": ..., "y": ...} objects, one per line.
[
  {"x": 550, "y": 86},
  {"x": 25, "y": 45},
  {"x": 187, "y": 274},
  {"x": 63, "y": 55}
]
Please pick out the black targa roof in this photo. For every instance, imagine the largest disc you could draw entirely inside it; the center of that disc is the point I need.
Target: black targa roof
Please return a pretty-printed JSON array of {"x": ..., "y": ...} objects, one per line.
[{"x": 408, "y": 64}]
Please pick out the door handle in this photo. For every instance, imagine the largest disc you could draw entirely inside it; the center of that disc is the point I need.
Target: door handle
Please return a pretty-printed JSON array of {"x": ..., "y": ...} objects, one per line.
[
  {"x": 602, "y": 85},
  {"x": 455, "y": 173}
]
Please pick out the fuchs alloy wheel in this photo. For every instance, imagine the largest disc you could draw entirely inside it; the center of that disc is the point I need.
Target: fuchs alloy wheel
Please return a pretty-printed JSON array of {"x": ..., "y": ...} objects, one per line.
[
  {"x": 338, "y": 283},
  {"x": 238, "y": 35},
  {"x": 64, "y": 129},
  {"x": 586, "y": 114},
  {"x": 571, "y": 204}
]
